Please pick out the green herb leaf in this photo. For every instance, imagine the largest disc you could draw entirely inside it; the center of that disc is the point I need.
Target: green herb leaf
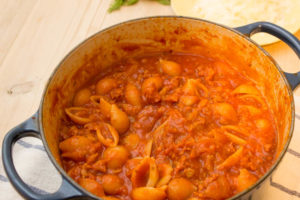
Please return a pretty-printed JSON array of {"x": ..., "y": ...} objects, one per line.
[
  {"x": 116, "y": 5},
  {"x": 131, "y": 2},
  {"x": 164, "y": 2}
]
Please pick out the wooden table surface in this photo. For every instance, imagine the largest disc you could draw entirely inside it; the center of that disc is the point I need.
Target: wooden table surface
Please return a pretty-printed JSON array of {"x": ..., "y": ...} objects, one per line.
[{"x": 36, "y": 34}]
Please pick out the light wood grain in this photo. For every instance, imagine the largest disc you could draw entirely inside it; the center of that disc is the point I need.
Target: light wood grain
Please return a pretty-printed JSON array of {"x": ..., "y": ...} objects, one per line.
[
  {"x": 35, "y": 35},
  {"x": 11, "y": 22}
]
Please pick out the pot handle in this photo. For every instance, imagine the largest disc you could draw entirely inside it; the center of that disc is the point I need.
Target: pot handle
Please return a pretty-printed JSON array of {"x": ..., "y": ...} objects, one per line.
[
  {"x": 282, "y": 34},
  {"x": 26, "y": 129}
]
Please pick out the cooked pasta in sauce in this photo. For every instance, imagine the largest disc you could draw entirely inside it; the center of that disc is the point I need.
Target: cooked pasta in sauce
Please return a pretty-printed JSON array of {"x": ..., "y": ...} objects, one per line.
[{"x": 168, "y": 126}]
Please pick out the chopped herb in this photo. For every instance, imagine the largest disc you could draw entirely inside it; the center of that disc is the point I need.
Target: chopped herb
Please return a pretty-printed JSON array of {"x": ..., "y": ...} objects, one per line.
[
  {"x": 131, "y": 2},
  {"x": 164, "y": 2},
  {"x": 116, "y": 5}
]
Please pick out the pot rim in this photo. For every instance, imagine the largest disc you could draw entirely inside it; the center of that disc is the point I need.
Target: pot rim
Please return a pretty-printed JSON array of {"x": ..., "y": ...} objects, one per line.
[{"x": 74, "y": 49}]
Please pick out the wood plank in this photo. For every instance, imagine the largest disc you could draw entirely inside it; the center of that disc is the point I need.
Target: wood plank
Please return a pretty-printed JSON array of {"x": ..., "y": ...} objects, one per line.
[
  {"x": 42, "y": 32},
  {"x": 50, "y": 31},
  {"x": 12, "y": 17}
]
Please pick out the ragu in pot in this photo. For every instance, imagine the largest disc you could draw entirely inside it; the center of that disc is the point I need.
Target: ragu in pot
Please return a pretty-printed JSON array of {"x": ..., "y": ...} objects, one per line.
[
  {"x": 178, "y": 126},
  {"x": 163, "y": 102}
]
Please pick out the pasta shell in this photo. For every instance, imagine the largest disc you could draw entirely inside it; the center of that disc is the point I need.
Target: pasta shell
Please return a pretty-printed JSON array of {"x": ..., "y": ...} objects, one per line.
[
  {"x": 131, "y": 141},
  {"x": 100, "y": 165},
  {"x": 148, "y": 193},
  {"x": 245, "y": 180},
  {"x": 171, "y": 68},
  {"x": 107, "y": 135},
  {"x": 132, "y": 164},
  {"x": 75, "y": 147},
  {"x": 104, "y": 106},
  {"x": 148, "y": 148},
  {"x": 116, "y": 157},
  {"x": 82, "y": 97},
  {"x": 78, "y": 115},
  {"x": 235, "y": 139},
  {"x": 92, "y": 186},
  {"x": 151, "y": 87},
  {"x": 192, "y": 87},
  {"x": 236, "y": 129},
  {"x": 159, "y": 132},
  {"x": 154, "y": 82},
  {"x": 133, "y": 95},
  {"x": 165, "y": 174},
  {"x": 232, "y": 159},
  {"x": 251, "y": 109},
  {"x": 119, "y": 119},
  {"x": 189, "y": 100},
  {"x": 110, "y": 198},
  {"x": 245, "y": 89},
  {"x": 203, "y": 88},
  {"x": 105, "y": 85},
  {"x": 145, "y": 174},
  {"x": 226, "y": 113},
  {"x": 251, "y": 96},
  {"x": 180, "y": 189}
]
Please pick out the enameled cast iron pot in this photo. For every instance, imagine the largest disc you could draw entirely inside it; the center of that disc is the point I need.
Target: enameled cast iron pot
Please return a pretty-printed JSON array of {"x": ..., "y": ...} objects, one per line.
[{"x": 151, "y": 35}]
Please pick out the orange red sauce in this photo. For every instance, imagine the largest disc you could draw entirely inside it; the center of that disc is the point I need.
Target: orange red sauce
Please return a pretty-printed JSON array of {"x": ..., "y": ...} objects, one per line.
[{"x": 168, "y": 126}]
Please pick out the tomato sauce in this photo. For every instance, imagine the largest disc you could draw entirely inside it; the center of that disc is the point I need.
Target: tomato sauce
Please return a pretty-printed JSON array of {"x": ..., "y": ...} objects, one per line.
[{"x": 168, "y": 126}]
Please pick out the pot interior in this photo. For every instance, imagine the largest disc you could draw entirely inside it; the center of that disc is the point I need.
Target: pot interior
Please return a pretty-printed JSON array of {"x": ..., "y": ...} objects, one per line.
[{"x": 163, "y": 34}]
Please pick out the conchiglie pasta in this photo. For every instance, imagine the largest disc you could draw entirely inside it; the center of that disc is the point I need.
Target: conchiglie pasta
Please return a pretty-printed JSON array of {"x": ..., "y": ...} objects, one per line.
[
  {"x": 154, "y": 81},
  {"x": 116, "y": 157},
  {"x": 148, "y": 193},
  {"x": 232, "y": 159},
  {"x": 119, "y": 119},
  {"x": 226, "y": 113},
  {"x": 235, "y": 139},
  {"x": 105, "y": 85},
  {"x": 167, "y": 126},
  {"x": 245, "y": 89},
  {"x": 112, "y": 184},
  {"x": 148, "y": 148},
  {"x": 171, "y": 68},
  {"x": 82, "y": 97},
  {"x": 131, "y": 164},
  {"x": 132, "y": 95},
  {"x": 92, "y": 186},
  {"x": 165, "y": 174},
  {"x": 250, "y": 109},
  {"x": 245, "y": 180},
  {"x": 189, "y": 100},
  {"x": 190, "y": 87},
  {"x": 180, "y": 189},
  {"x": 238, "y": 129},
  {"x": 218, "y": 189},
  {"x": 78, "y": 115},
  {"x": 100, "y": 165},
  {"x": 106, "y": 134},
  {"x": 193, "y": 87},
  {"x": 75, "y": 147},
  {"x": 145, "y": 174},
  {"x": 151, "y": 87},
  {"x": 131, "y": 141},
  {"x": 104, "y": 106},
  {"x": 256, "y": 98},
  {"x": 110, "y": 198}
]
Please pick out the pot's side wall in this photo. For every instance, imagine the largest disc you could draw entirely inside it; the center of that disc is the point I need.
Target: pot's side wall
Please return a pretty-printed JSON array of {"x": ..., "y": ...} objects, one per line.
[{"x": 162, "y": 34}]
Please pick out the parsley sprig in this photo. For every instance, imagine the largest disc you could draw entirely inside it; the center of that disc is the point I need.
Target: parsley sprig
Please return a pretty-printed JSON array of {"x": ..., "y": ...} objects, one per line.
[{"x": 116, "y": 5}]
